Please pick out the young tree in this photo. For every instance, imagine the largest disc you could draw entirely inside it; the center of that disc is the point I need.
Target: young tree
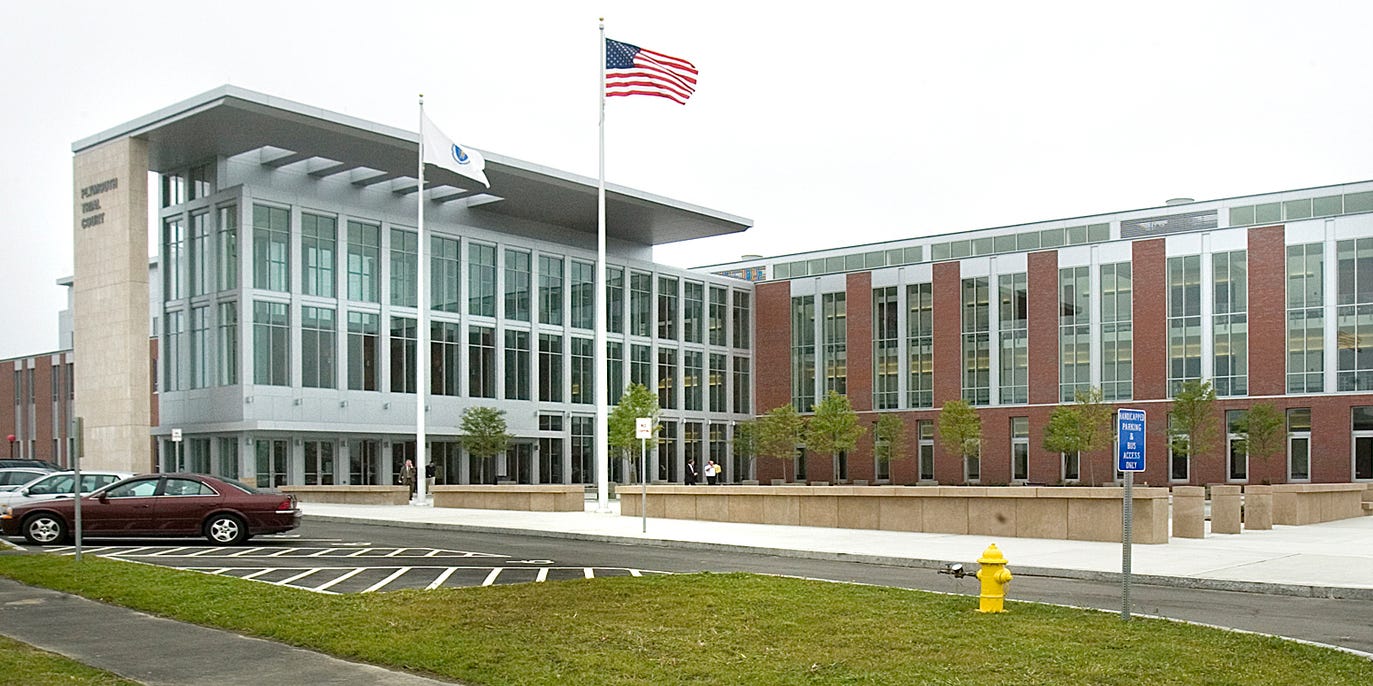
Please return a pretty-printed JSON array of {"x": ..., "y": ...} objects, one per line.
[
  {"x": 1083, "y": 427},
  {"x": 889, "y": 440},
  {"x": 483, "y": 431},
  {"x": 1262, "y": 431},
  {"x": 960, "y": 428},
  {"x": 745, "y": 442},
  {"x": 779, "y": 432},
  {"x": 834, "y": 428},
  {"x": 636, "y": 402},
  {"x": 1193, "y": 429}
]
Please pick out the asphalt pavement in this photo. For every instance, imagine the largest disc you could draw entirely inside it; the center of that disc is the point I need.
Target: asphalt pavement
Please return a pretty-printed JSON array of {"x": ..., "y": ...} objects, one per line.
[{"x": 1321, "y": 560}]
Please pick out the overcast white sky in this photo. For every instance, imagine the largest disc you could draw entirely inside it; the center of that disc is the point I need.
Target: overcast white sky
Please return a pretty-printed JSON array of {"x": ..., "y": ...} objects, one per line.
[{"x": 881, "y": 121}]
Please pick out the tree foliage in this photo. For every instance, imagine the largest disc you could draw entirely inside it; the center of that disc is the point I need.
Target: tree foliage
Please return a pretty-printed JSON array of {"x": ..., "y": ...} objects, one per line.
[
  {"x": 889, "y": 438},
  {"x": 834, "y": 427},
  {"x": 779, "y": 431},
  {"x": 745, "y": 442},
  {"x": 1193, "y": 429},
  {"x": 960, "y": 428},
  {"x": 483, "y": 431},
  {"x": 1262, "y": 431},
  {"x": 637, "y": 401},
  {"x": 1082, "y": 427}
]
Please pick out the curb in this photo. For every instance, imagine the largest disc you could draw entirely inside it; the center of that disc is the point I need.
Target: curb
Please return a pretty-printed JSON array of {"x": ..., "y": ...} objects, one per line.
[{"x": 1258, "y": 587}]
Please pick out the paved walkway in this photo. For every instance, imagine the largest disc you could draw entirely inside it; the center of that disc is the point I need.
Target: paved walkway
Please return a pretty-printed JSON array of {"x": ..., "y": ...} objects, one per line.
[{"x": 1331, "y": 559}]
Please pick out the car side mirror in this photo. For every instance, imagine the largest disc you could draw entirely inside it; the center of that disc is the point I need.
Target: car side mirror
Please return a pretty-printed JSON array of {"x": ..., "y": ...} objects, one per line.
[
  {"x": 24, "y": 492},
  {"x": 103, "y": 498}
]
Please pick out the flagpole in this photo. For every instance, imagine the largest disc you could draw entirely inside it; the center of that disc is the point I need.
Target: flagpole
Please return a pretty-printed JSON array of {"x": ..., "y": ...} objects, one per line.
[
  {"x": 602, "y": 380},
  {"x": 422, "y": 337}
]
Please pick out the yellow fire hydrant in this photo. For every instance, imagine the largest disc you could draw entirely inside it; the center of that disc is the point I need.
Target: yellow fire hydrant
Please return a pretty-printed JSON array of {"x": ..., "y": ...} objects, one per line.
[{"x": 994, "y": 577}]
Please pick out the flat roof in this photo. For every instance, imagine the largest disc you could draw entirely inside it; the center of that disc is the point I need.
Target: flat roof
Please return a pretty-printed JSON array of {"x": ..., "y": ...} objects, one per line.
[{"x": 229, "y": 121}]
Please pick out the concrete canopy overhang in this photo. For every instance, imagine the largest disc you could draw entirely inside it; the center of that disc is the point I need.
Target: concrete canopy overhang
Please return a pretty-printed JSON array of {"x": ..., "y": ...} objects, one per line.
[{"x": 230, "y": 121}]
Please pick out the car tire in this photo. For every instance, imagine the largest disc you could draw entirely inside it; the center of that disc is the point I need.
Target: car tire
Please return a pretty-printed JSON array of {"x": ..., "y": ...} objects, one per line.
[
  {"x": 226, "y": 529},
  {"x": 45, "y": 529}
]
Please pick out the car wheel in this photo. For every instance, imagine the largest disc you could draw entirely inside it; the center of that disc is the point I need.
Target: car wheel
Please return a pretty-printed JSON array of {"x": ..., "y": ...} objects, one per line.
[
  {"x": 226, "y": 530},
  {"x": 43, "y": 529}
]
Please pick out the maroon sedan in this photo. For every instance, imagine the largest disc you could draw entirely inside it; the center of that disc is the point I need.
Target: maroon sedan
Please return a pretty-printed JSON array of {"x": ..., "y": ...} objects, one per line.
[{"x": 223, "y": 510}]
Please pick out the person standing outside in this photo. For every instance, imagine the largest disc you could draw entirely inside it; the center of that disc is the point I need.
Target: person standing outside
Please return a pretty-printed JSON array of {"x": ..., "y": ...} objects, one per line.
[
  {"x": 710, "y": 472},
  {"x": 691, "y": 472},
  {"x": 407, "y": 476}
]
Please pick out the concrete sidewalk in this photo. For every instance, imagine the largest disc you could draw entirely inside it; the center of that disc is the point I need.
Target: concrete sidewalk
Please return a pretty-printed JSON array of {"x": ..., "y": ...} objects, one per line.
[{"x": 1333, "y": 559}]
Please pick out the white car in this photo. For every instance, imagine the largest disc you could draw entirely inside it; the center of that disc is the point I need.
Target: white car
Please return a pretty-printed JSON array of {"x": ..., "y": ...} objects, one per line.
[
  {"x": 58, "y": 485},
  {"x": 12, "y": 478}
]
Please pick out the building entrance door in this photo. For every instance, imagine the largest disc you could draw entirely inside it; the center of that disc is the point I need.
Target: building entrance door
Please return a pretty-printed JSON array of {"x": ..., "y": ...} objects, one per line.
[{"x": 1363, "y": 457}]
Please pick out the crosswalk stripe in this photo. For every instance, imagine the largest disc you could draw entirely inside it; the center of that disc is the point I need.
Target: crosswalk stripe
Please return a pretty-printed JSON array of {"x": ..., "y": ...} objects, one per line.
[
  {"x": 443, "y": 576},
  {"x": 491, "y": 578},
  {"x": 356, "y": 571},
  {"x": 382, "y": 584}
]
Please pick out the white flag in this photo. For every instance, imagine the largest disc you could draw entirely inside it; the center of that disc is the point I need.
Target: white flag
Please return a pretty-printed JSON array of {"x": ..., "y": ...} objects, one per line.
[{"x": 440, "y": 150}]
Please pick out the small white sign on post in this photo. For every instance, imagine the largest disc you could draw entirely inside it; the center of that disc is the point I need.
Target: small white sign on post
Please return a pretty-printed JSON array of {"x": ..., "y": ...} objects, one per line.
[
  {"x": 176, "y": 435},
  {"x": 643, "y": 427}
]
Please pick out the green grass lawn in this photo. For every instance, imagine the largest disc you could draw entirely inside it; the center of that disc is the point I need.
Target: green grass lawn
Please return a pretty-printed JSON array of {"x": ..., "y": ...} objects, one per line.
[
  {"x": 24, "y": 665},
  {"x": 705, "y": 629}
]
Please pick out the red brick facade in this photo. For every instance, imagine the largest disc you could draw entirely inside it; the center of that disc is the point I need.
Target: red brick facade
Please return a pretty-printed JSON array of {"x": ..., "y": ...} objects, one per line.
[
  {"x": 1267, "y": 312},
  {"x": 858, "y": 340},
  {"x": 1150, "y": 311}
]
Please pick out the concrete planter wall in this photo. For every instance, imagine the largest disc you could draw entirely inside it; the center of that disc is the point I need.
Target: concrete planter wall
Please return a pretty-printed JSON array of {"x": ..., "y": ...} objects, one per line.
[
  {"x": 1315, "y": 503},
  {"x": 350, "y": 495},
  {"x": 523, "y": 497},
  {"x": 1081, "y": 514}
]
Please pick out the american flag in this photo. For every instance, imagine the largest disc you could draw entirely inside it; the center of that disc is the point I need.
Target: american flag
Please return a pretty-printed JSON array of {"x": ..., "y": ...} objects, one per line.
[{"x": 632, "y": 70}]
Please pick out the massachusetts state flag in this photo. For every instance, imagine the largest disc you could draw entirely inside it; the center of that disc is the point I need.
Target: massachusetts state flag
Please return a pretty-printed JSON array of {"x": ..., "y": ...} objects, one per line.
[{"x": 632, "y": 70}]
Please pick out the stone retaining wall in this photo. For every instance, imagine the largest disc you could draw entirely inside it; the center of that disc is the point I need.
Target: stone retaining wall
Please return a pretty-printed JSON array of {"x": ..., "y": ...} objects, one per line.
[
  {"x": 1315, "y": 503},
  {"x": 350, "y": 495},
  {"x": 523, "y": 497},
  {"x": 1071, "y": 513}
]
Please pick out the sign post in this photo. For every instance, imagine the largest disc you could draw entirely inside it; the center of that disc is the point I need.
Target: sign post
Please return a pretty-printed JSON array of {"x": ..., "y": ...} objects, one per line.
[
  {"x": 643, "y": 429},
  {"x": 1129, "y": 459},
  {"x": 78, "y": 433}
]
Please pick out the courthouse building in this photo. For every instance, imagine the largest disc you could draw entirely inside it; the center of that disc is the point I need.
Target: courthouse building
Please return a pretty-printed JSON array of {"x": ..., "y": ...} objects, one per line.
[{"x": 282, "y": 304}]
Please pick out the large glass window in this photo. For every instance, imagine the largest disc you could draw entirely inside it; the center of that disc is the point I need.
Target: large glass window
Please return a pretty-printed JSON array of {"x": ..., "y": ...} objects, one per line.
[
  {"x": 1229, "y": 323},
  {"x": 228, "y": 343},
  {"x": 517, "y": 365},
  {"x": 740, "y": 322},
  {"x": 886, "y": 349},
  {"x": 1237, "y": 460},
  {"x": 318, "y": 237},
  {"x": 615, "y": 370},
  {"x": 173, "y": 343},
  {"x": 364, "y": 332},
  {"x": 835, "y": 307},
  {"x": 550, "y": 290},
  {"x": 364, "y": 262},
  {"x": 977, "y": 354},
  {"x": 1306, "y": 318},
  {"x": 640, "y": 303},
  {"x": 550, "y": 368},
  {"x": 481, "y": 361},
  {"x": 271, "y": 248},
  {"x": 667, "y": 307},
  {"x": 583, "y": 294},
  {"x": 481, "y": 279},
  {"x": 1354, "y": 315},
  {"x": 318, "y": 339},
  {"x": 920, "y": 344},
  {"x": 445, "y": 358},
  {"x": 1184, "y": 321},
  {"x": 692, "y": 396},
  {"x": 1014, "y": 334},
  {"x": 803, "y": 352},
  {"x": 1179, "y": 465},
  {"x": 517, "y": 270},
  {"x": 583, "y": 374},
  {"x": 319, "y": 463},
  {"x": 716, "y": 380},
  {"x": 404, "y": 338},
  {"x": 200, "y": 349},
  {"x": 1117, "y": 332},
  {"x": 667, "y": 378},
  {"x": 583, "y": 450},
  {"x": 404, "y": 267},
  {"x": 1074, "y": 332},
  {"x": 445, "y": 279},
  {"x": 742, "y": 400},
  {"x": 271, "y": 343},
  {"x": 1361, "y": 423},
  {"x": 693, "y": 311},
  {"x": 668, "y": 469},
  {"x": 200, "y": 254},
  {"x": 173, "y": 258},
  {"x": 1020, "y": 448},
  {"x": 641, "y": 365},
  {"x": 615, "y": 299},
  {"x": 925, "y": 430},
  {"x": 226, "y": 257},
  {"x": 1299, "y": 444},
  {"x": 719, "y": 310}
]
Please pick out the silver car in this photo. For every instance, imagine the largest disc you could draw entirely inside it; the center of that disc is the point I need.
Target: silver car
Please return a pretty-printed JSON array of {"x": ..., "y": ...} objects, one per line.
[
  {"x": 58, "y": 485},
  {"x": 12, "y": 478}
]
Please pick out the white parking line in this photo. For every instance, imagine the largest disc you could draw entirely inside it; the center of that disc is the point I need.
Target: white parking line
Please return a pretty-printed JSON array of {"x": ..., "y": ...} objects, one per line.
[
  {"x": 443, "y": 576},
  {"x": 301, "y": 575},
  {"x": 543, "y": 575},
  {"x": 589, "y": 572},
  {"x": 245, "y": 551},
  {"x": 491, "y": 578},
  {"x": 356, "y": 571},
  {"x": 387, "y": 580},
  {"x": 202, "y": 551},
  {"x": 259, "y": 573},
  {"x": 323, "y": 551},
  {"x": 635, "y": 572},
  {"x": 169, "y": 551}
]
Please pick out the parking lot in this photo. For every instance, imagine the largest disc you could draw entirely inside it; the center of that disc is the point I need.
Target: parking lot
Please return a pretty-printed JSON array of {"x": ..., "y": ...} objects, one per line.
[{"x": 346, "y": 566}]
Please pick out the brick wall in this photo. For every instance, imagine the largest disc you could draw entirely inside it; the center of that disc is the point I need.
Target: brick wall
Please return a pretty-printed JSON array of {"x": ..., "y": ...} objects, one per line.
[
  {"x": 1150, "y": 313},
  {"x": 859, "y": 342},
  {"x": 1267, "y": 311}
]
